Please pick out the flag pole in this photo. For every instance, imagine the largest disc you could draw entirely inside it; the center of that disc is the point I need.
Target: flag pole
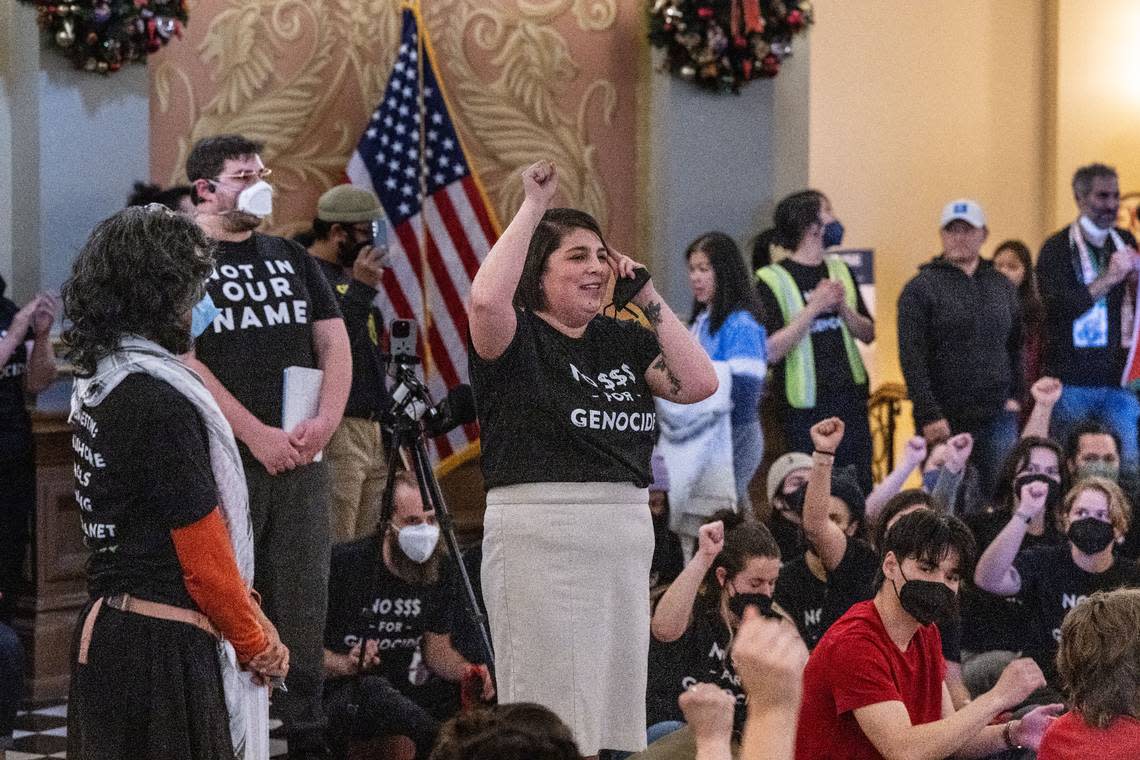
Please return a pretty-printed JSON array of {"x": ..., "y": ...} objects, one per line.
[{"x": 428, "y": 363}]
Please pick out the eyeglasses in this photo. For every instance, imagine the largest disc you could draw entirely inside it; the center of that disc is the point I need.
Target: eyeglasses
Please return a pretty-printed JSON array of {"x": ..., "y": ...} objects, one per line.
[{"x": 247, "y": 176}]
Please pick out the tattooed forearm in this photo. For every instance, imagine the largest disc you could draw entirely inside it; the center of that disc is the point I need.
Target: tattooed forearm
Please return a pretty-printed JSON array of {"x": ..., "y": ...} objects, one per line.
[
  {"x": 652, "y": 311},
  {"x": 674, "y": 381}
]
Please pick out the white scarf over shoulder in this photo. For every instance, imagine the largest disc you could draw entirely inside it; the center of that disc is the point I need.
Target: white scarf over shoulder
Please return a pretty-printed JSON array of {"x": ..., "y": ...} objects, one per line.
[{"x": 246, "y": 702}]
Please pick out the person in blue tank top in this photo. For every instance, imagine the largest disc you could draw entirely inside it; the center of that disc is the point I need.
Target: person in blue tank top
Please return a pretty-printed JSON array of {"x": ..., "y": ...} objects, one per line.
[{"x": 726, "y": 322}]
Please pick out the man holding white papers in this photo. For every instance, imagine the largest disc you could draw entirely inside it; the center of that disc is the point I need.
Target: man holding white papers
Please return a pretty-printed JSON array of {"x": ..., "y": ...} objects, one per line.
[{"x": 274, "y": 310}]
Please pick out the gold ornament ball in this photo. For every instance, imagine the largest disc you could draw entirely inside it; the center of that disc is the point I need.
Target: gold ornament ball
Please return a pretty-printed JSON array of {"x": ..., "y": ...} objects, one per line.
[
  {"x": 687, "y": 72},
  {"x": 102, "y": 67},
  {"x": 89, "y": 64},
  {"x": 65, "y": 37}
]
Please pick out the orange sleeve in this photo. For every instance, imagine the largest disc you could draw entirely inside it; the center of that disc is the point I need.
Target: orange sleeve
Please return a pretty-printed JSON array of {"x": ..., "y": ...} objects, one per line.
[{"x": 211, "y": 575}]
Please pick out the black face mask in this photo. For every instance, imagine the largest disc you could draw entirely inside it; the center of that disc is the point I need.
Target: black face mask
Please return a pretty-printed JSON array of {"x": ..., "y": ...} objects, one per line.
[
  {"x": 1091, "y": 535},
  {"x": 740, "y": 602},
  {"x": 927, "y": 601},
  {"x": 347, "y": 252},
  {"x": 1052, "y": 498}
]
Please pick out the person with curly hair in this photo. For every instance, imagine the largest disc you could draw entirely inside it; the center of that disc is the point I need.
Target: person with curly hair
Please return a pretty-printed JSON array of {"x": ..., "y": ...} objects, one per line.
[
  {"x": 1099, "y": 664},
  {"x": 162, "y": 500}
]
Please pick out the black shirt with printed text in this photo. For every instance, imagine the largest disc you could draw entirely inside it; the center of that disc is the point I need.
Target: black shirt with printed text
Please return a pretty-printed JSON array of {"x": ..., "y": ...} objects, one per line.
[
  {"x": 15, "y": 424},
  {"x": 365, "y": 598},
  {"x": 814, "y": 604},
  {"x": 270, "y": 292},
  {"x": 141, "y": 468},
  {"x": 555, "y": 408},
  {"x": 699, "y": 656},
  {"x": 832, "y": 370},
  {"x": 1051, "y": 585}
]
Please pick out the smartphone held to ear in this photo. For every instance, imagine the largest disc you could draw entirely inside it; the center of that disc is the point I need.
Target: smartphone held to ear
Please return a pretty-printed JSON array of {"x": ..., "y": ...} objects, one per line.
[
  {"x": 627, "y": 287},
  {"x": 379, "y": 232}
]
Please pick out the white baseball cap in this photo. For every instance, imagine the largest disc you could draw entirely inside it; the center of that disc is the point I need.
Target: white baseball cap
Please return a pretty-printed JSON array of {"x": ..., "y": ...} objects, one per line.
[{"x": 964, "y": 209}]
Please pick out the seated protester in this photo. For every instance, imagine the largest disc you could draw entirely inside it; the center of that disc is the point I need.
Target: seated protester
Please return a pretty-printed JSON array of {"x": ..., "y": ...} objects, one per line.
[
  {"x": 873, "y": 687},
  {"x": 837, "y": 569},
  {"x": 950, "y": 627},
  {"x": 667, "y": 559},
  {"x": 1099, "y": 665},
  {"x": 1051, "y": 580},
  {"x": 1093, "y": 448},
  {"x": 388, "y": 650},
  {"x": 786, "y": 477},
  {"x": 994, "y": 626},
  {"x": 736, "y": 565},
  {"x": 950, "y": 478},
  {"x": 519, "y": 731}
]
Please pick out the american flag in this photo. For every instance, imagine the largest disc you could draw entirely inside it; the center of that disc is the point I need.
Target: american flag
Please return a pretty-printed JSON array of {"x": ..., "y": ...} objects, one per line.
[{"x": 440, "y": 225}]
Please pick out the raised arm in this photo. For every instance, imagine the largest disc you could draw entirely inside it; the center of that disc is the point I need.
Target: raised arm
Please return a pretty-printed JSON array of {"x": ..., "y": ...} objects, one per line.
[
  {"x": 769, "y": 657},
  {"x": 912, "y": 457},
  {"x": 944, "y": 497},
  {"x": 491, "y": 311},
  {"x": 41, "y": 361},
  {"x": 1046, "y": 393},
  {"x": 827, "y": 538},
  {"x": 675, "y": 608},
  {"x": 995, "y": 571}
]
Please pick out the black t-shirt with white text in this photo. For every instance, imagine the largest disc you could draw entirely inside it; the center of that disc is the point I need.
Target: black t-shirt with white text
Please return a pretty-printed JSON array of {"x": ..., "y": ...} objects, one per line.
[
  {"x": 814, "y": 604},
  {"x": 832, "y": 370},
  {"x": 699, "y": 656},
  {"x": 15, "y": 425},
  {"x": 270, "y": 291},
  {"x": 141, "y": 469},
  {"x": 365, "y": 598},
  {"x": 1051, "y": 585},
  {"x": 555, "y": 408}
]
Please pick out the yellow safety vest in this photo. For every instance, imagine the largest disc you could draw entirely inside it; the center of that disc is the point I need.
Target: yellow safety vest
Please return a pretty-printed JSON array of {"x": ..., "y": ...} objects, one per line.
[{"x": 799, "y": 364}]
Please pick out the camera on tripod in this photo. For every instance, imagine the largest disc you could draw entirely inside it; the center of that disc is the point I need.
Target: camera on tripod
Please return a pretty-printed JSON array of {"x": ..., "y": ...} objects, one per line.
[{"x": 411, "y": 400}]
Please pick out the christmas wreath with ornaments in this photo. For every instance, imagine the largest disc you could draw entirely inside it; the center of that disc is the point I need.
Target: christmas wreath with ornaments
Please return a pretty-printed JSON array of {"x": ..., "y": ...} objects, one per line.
[
  {"x": 101, "y": 35},
  {"x": 722, "y": 44}
]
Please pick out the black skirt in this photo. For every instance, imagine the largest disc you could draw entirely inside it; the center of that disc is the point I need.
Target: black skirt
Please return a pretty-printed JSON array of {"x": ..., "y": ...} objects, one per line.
[{"x": 151, "y": 690}]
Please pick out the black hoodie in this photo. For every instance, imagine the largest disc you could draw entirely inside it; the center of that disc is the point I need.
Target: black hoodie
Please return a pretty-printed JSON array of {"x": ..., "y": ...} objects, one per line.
[{"x": 959, "y": 342}]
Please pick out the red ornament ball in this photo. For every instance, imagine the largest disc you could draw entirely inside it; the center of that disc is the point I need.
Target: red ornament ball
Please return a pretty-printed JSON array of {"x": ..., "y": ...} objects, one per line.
[
  {"x": 770, "y": 66},
  {"x": 705, "y": 12},
  {"x": 796, "y": 19}
]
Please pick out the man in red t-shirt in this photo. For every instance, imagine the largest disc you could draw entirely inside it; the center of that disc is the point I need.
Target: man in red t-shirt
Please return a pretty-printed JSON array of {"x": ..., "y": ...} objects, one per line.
[
  {"x": 1098, "y": 661},
  {"x": 873, "y": 686}
]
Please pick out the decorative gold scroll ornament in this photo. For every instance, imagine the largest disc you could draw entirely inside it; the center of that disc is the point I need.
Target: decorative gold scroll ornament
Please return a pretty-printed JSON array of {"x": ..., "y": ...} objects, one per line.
[{"x": 302, "y": 75}]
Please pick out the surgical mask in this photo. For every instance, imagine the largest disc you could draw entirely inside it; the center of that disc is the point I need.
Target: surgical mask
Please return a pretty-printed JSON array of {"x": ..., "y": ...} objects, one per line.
[
  {"x": 1098, "y": 468},
  {"x": 926, "y": 601},
  {"x": 832, "y": 233},
  {"x": 739, "y": 602},
  {"x": 1051, "y": 498},
  {"x": 1091, "y": 535},
  {"x": 418, "y": 542},
  {"x": 1093, "y": 234},
  {"x": 202, "y": 315},
  {"x": 257, "y": 199},
  {"x": 930, "y": 480}
]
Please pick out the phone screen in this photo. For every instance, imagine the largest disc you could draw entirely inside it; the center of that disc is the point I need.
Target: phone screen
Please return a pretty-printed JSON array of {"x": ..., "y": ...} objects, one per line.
[{"x": 379, "y": 232}]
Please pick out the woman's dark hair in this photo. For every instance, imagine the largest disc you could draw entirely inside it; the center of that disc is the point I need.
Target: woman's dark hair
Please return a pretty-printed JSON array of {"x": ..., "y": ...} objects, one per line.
[
  {"x": 556, "y": 224},
  {"x": 1032, "y": 309},
  {"x": 733, "y": 290},
  {"x": 1015, "y": 462},
  {"x": 762, "y": 249},
  {"x": 742, "y": 541},
  {"x": 900, "y": 502},
  {"x": 929, "y": 536},
  {"x": 519, "y": 731},
  {"x": 171, "y": 197},
  {"x": 139, "y": 272},
  {"x": 209, "y": 155},
  {"x": 794, "y": 215}
]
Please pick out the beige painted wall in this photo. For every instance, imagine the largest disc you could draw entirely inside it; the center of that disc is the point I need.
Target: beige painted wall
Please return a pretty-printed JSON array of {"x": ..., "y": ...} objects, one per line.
[
  {"x": 1097, "y": 94},
  {"x": 915, "y": 104}
]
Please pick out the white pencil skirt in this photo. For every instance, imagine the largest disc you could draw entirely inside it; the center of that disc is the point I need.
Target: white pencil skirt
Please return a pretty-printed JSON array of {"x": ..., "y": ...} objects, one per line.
[{"x": 566, "y": 582}]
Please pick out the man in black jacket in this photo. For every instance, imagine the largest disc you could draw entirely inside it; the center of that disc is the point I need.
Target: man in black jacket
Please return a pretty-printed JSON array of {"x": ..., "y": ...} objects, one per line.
[
  {"x": 1085, "y": 273},
  {"x": 352, "y": 262},
  {"x": 959, "y": 343}
]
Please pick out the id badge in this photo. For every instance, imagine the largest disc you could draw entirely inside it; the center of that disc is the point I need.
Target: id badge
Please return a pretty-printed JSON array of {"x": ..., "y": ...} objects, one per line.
[{"x": 1090, "y": 330}]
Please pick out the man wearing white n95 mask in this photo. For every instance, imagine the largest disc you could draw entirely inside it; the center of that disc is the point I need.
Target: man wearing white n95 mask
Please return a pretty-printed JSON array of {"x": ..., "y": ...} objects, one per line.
[
  {"x": 274, "y": 310},
  {"x": 390, "y": 591}
]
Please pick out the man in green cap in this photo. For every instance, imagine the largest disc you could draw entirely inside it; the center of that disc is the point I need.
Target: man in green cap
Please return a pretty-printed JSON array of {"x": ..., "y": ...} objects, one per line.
[{"x": 352, "y": 262}]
